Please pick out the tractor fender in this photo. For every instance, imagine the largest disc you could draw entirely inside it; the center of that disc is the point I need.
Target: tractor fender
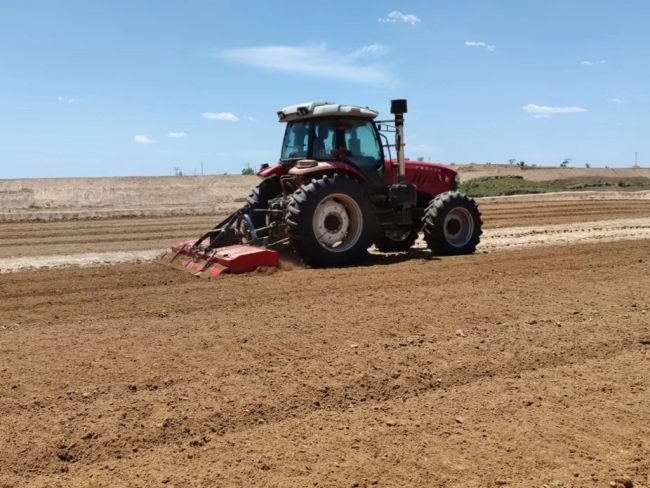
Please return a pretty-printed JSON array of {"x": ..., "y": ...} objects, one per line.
[
  {"x": 275, "y": 170},
  {"x": 313, "y": 168}
]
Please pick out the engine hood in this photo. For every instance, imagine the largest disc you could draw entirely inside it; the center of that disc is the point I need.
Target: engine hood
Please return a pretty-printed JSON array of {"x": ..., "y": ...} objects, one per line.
[{"x": 424, "y": 166}]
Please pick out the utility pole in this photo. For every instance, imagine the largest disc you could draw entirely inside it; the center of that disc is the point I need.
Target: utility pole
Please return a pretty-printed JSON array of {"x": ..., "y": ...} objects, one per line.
[
  {"x": 635, "y": 160},
  {"x": 201, "y": 168}
]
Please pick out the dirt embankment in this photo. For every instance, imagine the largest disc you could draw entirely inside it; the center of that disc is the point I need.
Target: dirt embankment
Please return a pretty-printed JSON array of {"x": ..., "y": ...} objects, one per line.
[
  {"x": 72, "y": 198},
  {"x": 548, "y": 174},
  {"x": 521, "y": 369}
]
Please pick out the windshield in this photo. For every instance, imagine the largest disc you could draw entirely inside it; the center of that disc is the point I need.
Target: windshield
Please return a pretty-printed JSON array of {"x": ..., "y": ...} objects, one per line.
[
  {"x": 328, "y": 138},
  {"x": 295, "y": 140}
]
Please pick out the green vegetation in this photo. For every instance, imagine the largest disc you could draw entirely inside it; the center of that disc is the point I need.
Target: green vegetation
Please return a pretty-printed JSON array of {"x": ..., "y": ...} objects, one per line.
[
  {"x": 493, "y": 186},
  {"x": 587, "y": 183},
  {"x": 248, "y": 170}
]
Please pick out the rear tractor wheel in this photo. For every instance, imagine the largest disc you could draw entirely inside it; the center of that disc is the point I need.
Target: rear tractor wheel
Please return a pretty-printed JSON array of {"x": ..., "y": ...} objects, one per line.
[
  {"x": 267, "y": 190},
  {"x": 331, "y": 221},
  {"x": 452, "y": 224},
  {"x": 396, "y": 240}
]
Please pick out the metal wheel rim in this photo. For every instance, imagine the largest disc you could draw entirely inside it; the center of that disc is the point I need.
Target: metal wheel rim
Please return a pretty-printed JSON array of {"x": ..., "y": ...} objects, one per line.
[
  {"x": 462, "y": 218},
  {"x": 351, "y": 222}
]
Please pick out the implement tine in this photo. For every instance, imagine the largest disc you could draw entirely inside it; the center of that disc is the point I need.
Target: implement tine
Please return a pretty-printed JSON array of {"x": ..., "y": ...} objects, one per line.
[
  {"x": 178, "y": 253},
  {"x": 208, "y": 261}
]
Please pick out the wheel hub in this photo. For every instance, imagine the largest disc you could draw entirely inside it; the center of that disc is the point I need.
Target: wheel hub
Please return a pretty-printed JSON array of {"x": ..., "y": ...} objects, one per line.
[
  {"x": 331, "y": 222},
  {"x": 453, "y": 227},
  {"x": 459, "y": 227}
]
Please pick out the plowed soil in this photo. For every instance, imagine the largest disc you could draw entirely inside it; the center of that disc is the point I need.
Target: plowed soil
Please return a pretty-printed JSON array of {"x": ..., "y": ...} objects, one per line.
[
  {"x": 134, "y": 234},
  {"x": 525, "y": 368}
]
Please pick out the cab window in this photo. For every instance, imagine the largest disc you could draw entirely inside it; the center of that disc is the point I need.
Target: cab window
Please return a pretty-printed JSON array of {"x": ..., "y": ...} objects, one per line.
[
  {"x": 362, "y": 145},
  {"x": 323, "y": 140},
  {"x": 295, "y": 140}
]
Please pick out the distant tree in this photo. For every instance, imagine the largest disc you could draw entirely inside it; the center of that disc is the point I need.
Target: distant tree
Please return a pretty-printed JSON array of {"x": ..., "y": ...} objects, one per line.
[
  {"x": 248, "y": 170},
  {"x": 522, "y": 163},
  {"x": 565, "y": 163},
  {"x": 420, "y": 159},
  {"x": 512, "y": 161},
  {"x": 587, "y": 165}
]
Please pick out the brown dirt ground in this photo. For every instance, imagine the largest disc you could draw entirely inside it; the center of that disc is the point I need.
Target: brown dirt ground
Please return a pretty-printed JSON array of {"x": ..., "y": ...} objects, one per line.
[
  {"x": 525, "y": 368},
  {"x": 65, "y": 237}
]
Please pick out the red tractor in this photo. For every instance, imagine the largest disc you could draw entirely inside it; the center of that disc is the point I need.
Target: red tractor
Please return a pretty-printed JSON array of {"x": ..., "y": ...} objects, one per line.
[{"x": 335, "y": 192}]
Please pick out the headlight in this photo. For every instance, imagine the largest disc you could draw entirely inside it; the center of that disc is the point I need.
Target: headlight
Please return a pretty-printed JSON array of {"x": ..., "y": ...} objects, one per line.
[{"x": 457, "y": 178}]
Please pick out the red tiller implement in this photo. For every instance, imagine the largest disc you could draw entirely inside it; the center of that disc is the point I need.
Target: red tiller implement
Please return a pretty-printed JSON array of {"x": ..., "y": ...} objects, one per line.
[
  {"x": 230, "y": 259},
  {"x": 229, "y": 249}
]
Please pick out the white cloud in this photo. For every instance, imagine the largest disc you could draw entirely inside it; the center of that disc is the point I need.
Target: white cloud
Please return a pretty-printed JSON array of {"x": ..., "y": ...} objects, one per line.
[
  {"x": 316, "y": 61},
  {"x": 548, "y": 111},
  {"x": 489, "y": 47},
  {"x": 542, "y": 116},
  {"x": 396, "y": 16},
  {"x": 221, "y": 116},
  {"x": 591, "y": 63},
  {"x": 252, "y": 119},
  {"x": 617, "y": 101},
  {"x": 69, "y": 100},
  {"x": 177, "y": 134},
  {"x": 143, "y": 140},
  {"x": 372, "y": 49}
]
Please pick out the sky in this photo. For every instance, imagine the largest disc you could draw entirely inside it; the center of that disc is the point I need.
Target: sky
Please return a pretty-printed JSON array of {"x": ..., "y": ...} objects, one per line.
[{"x": 127, "y": 88}]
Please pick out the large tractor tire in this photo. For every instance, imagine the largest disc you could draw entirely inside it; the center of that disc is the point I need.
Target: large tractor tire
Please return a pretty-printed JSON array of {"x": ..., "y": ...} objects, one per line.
[
  {"x": 396, "y": 240},
  {"x": 452, "y": 224},
  {"x": 331, "y": 221},
  {"x": 267, "y": 190}
]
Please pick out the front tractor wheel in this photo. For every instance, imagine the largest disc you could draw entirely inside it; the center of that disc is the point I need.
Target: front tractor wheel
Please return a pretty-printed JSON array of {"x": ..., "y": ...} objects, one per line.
[
  {"x": 331, "y": 221},
  {"x": 452, "y": 224},
  {"x": 396, "y": 240}
]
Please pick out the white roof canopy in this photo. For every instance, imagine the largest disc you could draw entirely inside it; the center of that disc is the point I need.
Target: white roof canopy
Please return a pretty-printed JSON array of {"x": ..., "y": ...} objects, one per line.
[{"x": 309, "y": 110}]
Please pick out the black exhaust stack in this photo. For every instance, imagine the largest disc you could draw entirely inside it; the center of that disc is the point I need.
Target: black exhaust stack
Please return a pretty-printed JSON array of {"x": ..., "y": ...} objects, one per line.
[
  {"x": 401, "y": 195},
  {"x": 399, "y": 108}
]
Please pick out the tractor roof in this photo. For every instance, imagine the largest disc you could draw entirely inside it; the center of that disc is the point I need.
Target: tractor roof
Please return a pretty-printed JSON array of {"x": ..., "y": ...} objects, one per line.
[{"x": 310, "y": 110}]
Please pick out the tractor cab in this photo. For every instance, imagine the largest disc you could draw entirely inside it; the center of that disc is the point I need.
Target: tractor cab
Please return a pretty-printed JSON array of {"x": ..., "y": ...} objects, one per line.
[{"x": 325, "y": 132}]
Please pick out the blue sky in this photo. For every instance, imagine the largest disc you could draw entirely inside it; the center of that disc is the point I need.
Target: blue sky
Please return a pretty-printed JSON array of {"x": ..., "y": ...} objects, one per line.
[{"x": 486, "y": 80}]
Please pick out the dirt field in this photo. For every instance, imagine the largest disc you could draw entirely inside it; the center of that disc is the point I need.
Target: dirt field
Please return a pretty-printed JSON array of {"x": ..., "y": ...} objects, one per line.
[{"x": 523, "y": 368}]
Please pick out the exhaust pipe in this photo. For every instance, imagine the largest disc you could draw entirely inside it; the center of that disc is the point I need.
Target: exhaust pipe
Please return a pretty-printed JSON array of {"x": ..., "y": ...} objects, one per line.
[{"x": 399, "y": 108}]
